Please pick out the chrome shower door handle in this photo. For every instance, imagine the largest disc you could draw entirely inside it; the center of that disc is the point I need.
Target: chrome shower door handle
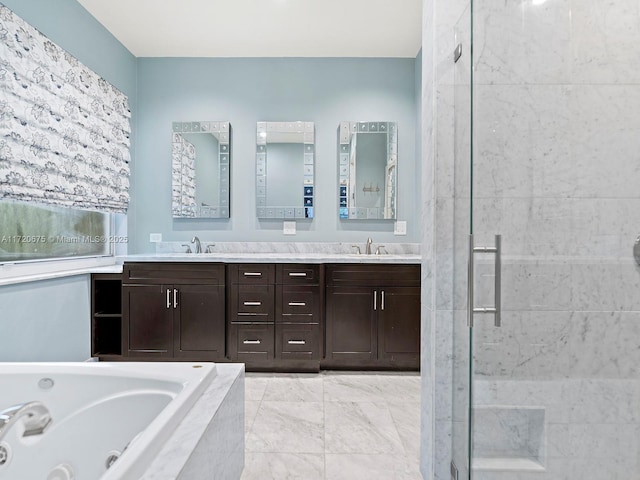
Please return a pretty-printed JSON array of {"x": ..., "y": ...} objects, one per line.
[
  {"x": 497, "y": 320},
  {"x": 496, "y": 309}
]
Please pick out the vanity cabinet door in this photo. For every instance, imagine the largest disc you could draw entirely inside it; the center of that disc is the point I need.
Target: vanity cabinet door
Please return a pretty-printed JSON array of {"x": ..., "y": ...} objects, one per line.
[
  {"x": 373, "y": 316},
  {"x": 148, "y": 321},
  {"x": 174, "y": 310},
  {"x": 199, "y": 322},
  {"x": 351, "y": 325},
  {"x": 399, "y": 324}
]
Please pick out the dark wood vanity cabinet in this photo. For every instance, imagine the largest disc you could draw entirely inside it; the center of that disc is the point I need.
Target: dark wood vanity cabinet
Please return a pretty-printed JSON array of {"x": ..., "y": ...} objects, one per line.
[
  {"x": 173, "y": 311},
  {"x": 372, "y": 316},
  {"x": 274, "y": 316}
]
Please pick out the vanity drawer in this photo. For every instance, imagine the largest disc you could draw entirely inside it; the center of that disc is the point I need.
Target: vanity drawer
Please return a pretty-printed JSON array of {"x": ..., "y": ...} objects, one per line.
[
  {"x": 251, "y": 342},
  {"x": 297, "y": 274},
  {"x": 373, "y": 275},
  {"x": 255, "y": 300},
  {"x": 298, "y": 342},
  {"x": 137, "y": 273},
  {"x": 299, "y": 303},
  {"x": 252, "y": 274}
]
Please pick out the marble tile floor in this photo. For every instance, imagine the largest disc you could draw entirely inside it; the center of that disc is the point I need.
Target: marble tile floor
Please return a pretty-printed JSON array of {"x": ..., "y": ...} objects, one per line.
[{"x": 333, "y": 426}]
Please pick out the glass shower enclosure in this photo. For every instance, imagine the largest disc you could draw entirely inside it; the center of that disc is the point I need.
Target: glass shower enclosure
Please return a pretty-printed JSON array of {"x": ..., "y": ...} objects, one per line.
[{"x": 546, "y": 332}]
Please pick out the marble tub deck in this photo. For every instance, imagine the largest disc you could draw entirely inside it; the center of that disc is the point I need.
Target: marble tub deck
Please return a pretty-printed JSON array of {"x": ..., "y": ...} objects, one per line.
[
  {"x": 332, "y": 425},
  {"x": 209, "y": 441}
]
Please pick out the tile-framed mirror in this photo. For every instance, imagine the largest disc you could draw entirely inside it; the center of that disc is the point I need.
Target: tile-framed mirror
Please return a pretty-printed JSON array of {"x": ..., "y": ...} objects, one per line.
[
  {"x": 368, "y": 170},
  {"x": 201, "y": 161},
  {"x": 285, "y": 155}
]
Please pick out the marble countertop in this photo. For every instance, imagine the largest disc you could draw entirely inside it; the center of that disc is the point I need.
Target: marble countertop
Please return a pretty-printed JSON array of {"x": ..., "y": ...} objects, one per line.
[{"x": 272, "y": 258}]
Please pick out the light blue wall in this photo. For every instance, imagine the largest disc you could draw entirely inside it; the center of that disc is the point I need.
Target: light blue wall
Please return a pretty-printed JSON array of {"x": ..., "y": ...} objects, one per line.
[
  {"x": 50, "y": 320},
  {"x": 46, "y": 321},
  {"x": 246, "y": 90}
]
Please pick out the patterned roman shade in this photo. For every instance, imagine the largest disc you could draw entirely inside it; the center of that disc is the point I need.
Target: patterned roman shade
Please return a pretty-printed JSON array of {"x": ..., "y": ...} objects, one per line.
[{"x": 64, "y": 131}]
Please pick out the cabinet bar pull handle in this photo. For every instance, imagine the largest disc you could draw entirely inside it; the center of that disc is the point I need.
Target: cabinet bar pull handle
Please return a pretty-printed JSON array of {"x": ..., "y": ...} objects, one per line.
[
  {"x": 375, "y": 299},
  {"x": 251, "y": 342},
  {"x": 296, "y": 342},
  {"x": 168, "y": 298},
  {"x": 297, "y": 304},
  {"x": 382, "y": 302},
  {"x": 175, "y": 298},
  {"x": 252, "y": 274},
  {"x": 252, "y": 304},
  {"x": 297, "y": 274}
]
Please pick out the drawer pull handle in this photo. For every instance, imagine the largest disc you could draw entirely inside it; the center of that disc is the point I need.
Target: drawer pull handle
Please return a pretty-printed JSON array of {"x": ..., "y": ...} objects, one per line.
[
  {"x": 296, "y": 342},
  {"x": 252, "y": 274},
  {"x": 252, "y": 304},
  {"x": 251, "y": 342},
  {"x": 297, "y": 274},
  {"x": 297, "y": 304},
  {"x": 168, "y": 298},
  {"x": 175, "y": 298}
]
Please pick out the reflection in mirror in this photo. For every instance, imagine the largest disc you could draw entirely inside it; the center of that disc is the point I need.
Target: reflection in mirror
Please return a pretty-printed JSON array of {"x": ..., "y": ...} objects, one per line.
[
  {"x": 368, "y": 156},
  {"x": 284, "y": 169},
  {"x": 200, "y": 169}
]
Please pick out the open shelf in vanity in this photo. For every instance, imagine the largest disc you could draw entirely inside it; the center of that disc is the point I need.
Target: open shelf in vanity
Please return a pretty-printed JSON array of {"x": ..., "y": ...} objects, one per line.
[{"x": 106, "y": 314}]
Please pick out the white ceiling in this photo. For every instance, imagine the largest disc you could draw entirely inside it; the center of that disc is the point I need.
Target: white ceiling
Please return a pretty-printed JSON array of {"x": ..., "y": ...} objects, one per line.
[{"x": 263, "y": 28}]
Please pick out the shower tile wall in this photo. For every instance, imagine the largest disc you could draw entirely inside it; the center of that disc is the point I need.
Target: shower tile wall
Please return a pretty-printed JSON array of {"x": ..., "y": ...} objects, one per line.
[
  {"x": 556, "y": 141},
  {"x": 557, "y": 87}
]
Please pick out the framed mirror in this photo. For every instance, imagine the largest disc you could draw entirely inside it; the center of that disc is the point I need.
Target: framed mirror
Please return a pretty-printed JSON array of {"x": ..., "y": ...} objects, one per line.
[
  {"x": 368, "y": 165},
  {"x": 201, "y": 158},
  {"x": 285, "y": 154}
]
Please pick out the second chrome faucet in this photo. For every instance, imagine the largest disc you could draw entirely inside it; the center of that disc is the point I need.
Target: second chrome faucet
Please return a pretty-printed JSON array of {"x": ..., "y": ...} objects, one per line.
[{"x": 367, "y": 249}]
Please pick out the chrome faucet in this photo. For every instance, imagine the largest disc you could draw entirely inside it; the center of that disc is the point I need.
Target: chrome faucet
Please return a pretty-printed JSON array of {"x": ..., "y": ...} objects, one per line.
[
  {"x": 198, "y": 244},
  {"x": 368, "y": 247},
  {"x": 36, "y": 418}
]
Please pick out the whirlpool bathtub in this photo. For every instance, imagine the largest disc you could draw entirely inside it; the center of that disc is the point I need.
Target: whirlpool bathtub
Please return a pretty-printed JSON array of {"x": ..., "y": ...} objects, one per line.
[{"x": 108, "y": 420}]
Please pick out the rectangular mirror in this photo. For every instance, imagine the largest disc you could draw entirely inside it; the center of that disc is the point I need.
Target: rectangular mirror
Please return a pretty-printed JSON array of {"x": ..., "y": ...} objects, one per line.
[
  {"x": 368, "y": 165},
  {"x": 201, "y": 158},
  {"x": 284, "y": 169}
]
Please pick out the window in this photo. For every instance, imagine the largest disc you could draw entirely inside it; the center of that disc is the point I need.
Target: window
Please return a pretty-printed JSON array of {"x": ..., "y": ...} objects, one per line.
[{"x": 31, "y": 231}]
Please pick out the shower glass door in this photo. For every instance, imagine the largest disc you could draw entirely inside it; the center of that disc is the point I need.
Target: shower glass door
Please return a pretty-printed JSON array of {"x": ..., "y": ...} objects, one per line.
[
  {"x": 554, "y": 169},
  {"x": 461, "y": 388}
]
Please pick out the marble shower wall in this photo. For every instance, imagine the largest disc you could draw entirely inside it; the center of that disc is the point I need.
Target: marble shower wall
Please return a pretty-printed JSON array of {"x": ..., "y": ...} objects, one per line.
[{"x": 556, "y": 168}]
